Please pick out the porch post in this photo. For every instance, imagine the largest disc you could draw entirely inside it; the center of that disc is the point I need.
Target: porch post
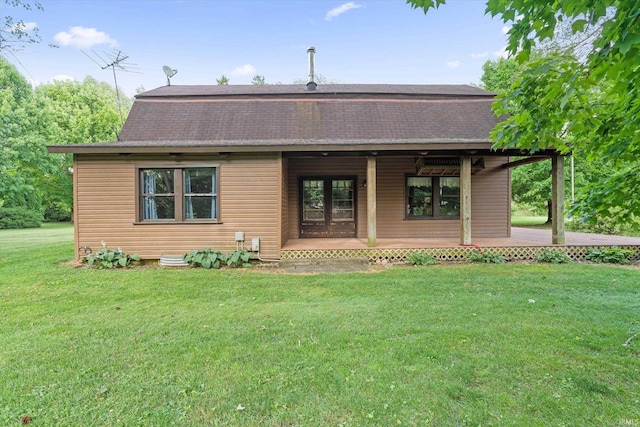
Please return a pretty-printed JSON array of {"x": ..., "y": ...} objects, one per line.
[
  {"x": 465, "y": 200},
  {"x": 371, "y": 201},
  {"x": 557, "y": 200}
]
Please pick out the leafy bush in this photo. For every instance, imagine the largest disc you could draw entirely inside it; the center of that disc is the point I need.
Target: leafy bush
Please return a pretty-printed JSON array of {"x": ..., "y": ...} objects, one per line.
[
  {"x": 239, "y": 258},
  {"x": 485, "y": 257},
  {"x": 205, "y": 258},
  {"x": 11, "y": 218},
  {"x": 209, "y": 258},
  {"x": 552, "y": 256},
  {"x": 612, "y": 255},
  {"x": 57, "y": 212},
  {"x": 111, "y": 258},
  {"x": 421, "y": 258}
]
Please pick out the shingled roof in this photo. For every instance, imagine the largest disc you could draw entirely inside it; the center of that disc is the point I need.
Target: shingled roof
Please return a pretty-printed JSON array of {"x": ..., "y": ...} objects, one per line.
[{"x": 288, "y": 117}]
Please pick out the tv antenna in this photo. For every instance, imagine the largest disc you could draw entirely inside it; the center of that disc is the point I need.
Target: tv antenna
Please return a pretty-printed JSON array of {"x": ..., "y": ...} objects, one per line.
[
  {"x": 113, "y": 60},
  {"x": 170, "y": 72}
]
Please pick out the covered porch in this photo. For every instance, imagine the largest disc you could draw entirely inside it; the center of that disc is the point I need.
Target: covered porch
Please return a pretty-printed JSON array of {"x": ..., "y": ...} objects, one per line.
[{"x": 523, "y": 244}]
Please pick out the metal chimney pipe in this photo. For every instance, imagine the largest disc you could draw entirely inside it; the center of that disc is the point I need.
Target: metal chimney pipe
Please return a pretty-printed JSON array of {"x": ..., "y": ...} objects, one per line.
[{"x": 311, "y": 85}]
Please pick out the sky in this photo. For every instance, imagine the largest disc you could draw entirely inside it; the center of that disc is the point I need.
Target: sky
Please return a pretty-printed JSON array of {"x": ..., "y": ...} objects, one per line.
[{"x": 359, "y": 41}]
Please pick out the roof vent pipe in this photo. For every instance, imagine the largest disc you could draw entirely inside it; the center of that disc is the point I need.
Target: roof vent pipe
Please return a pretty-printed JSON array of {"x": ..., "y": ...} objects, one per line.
[{"x": 311, "y": 86}]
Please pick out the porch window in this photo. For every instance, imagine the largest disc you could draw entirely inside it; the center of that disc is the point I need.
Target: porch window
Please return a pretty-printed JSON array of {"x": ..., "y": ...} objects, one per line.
[
  {"x": 178, "y": 194},
  {"x": 432, "y": 197}
]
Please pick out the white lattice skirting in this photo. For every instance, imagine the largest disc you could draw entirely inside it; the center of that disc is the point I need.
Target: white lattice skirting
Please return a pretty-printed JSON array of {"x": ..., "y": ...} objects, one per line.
[{"x": 520, "y": 253}]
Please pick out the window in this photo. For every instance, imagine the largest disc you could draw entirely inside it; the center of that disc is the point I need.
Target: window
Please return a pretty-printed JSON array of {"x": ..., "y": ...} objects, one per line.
[
  {"x": 178, "y": 194},
  {"x": 433, "y": 196}
]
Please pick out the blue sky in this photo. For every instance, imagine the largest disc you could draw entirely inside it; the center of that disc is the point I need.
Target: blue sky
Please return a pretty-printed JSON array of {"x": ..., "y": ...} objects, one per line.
[{"x": 360, "y": 41}]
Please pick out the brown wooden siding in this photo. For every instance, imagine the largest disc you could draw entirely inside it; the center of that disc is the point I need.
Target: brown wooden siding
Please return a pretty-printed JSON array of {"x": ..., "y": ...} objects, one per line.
[
  {"x": 490, "y": 202},
  {"x": 105, "y": 205}
]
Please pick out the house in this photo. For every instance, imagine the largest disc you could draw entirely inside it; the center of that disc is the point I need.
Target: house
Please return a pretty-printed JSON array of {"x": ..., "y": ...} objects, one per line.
[{"x": 194, "y": 165}]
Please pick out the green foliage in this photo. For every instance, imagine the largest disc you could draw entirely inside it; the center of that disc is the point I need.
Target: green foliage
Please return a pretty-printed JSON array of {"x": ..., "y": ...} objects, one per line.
[
  {"x": 223, "y": 80},
  {"x": 258, "y": 80},
  {"x": 12, "y": 218},
  {"x": 239, "y": 258},
  {"x": 612, "y": 255},
  {"x": 486, "y": 257},
  {"x": 205, "y": 258},
  {"x": 15, "y": 33},
  {"x": 209, "y": 258},
  {"x": 111, "y": 258},
  {"x": 421, "y": 258},
  {"x": 581, "y": 96},
  {"x": 57, "y": 212},
  {"x": 552, "y": 256},
  {"x": 61, "y": 112}
]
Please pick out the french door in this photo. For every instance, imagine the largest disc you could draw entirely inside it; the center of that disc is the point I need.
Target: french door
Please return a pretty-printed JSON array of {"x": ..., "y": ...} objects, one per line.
[{"x": 328, "y": 207}]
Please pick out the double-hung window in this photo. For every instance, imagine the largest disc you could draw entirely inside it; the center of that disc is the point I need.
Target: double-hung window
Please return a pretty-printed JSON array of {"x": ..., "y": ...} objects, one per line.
[
  {"x": 178, "y": 194},
  {"x": 432, "y": 197}
]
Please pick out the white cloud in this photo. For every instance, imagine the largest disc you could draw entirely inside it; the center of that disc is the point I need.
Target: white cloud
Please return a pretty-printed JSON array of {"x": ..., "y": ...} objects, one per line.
[
  {"x": 506, "y": 29},
  {"x": 453, "y": 64},
  {"x": 82, "y": 37},
  {"x": 244, "y": 70},
  {"x": 340, "y": 10},
  {"x": 479, "y": 55}
]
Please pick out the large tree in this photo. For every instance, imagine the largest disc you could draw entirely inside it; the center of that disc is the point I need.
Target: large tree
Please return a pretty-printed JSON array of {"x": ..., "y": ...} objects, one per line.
[
  {"x": 20, "y": 150},
  {"x": 59, "y": 113},
  {"x": 584, "y": 97}
]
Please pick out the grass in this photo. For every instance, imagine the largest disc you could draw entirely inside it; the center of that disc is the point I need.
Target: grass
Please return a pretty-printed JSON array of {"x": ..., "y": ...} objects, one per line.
[
  {"x": 508, "y": 345},
  {"x": 530, "y": 221}
]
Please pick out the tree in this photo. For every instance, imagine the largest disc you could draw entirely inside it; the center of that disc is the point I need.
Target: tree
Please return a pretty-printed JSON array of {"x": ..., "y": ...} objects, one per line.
[
  {"x": 15, "y": 34},
  {"x": 20, "y": 147},
  {"x": 258, "y": 80},
  {"x": 581, "y": 99},
  {"x": 223, "y": 80},
  {"x": 72, "y": 113}
]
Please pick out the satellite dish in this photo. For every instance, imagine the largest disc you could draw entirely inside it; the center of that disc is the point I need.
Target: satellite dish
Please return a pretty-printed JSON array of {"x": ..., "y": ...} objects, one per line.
[{"x": 170, "y": 72}]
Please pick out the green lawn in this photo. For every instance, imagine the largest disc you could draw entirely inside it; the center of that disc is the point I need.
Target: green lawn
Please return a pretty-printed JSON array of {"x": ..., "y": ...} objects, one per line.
[
  {"x": 445, "y": 345},
  {"x": 530, "y": 221}
]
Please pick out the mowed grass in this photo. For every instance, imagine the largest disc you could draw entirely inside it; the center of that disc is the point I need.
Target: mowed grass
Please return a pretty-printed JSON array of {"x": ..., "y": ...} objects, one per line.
[
  {"x": 505, "y": 345},
  {"x": 530, "y": 221}
]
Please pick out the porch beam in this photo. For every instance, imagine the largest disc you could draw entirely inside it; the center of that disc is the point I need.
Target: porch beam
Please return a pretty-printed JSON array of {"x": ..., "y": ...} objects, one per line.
[
  {"x": 371, "y": 201},
  {"x": 557, "y": 200},
  {"x": 465, "y": 200},
  {"x": 526, "y": 161}
]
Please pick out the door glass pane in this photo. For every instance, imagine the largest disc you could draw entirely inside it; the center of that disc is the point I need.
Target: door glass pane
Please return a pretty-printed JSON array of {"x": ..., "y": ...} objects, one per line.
[
  {"x": 313, "y": 200},
  {"x": 342, "y": 199},
  {"x": 419, "y": 196}
]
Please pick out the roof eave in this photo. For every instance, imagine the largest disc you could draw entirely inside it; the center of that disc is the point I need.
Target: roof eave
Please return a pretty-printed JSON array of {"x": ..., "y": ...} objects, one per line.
[{"x": 148, "y": 147}]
